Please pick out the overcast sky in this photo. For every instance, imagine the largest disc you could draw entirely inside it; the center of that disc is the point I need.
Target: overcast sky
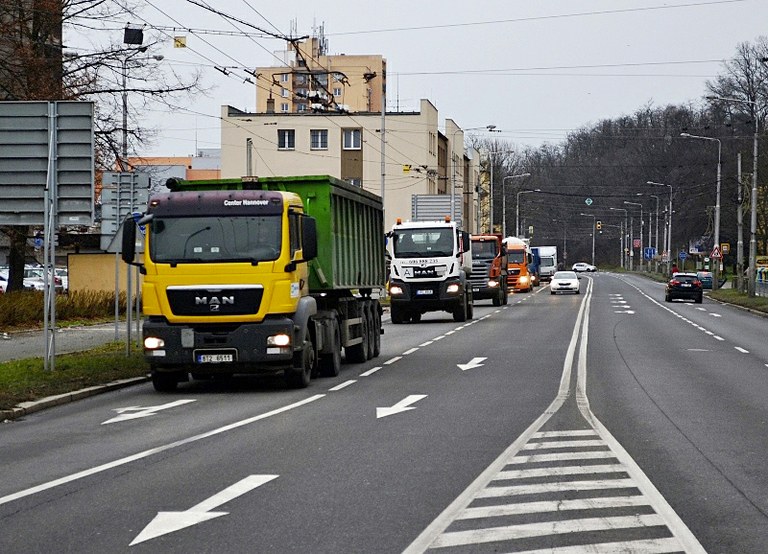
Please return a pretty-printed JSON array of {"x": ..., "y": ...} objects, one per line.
[{"x": 535, "y": 69}]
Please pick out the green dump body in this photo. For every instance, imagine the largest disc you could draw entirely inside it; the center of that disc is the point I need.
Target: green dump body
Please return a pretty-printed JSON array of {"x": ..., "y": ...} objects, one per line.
[{"x": 350, "y": 226}]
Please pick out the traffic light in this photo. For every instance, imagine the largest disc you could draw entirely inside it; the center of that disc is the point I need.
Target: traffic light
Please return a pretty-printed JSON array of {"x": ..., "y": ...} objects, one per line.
[{"x": 599, "y": 225}]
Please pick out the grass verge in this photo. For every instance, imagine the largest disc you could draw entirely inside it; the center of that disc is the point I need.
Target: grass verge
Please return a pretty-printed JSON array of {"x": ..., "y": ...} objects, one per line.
[
  {"x": 26, "y": 380},
  {"x": 733, "y": 296}
]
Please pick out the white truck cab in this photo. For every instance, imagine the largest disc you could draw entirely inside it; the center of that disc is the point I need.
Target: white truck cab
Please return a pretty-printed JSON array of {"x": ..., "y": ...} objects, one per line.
[{"x": 430, "y": 265}]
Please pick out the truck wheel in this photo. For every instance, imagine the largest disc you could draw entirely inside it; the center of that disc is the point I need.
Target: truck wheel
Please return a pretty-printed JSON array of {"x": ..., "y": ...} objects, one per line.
[
  {"x": 505, "y": 296},
  {"x": 497, "y": 300},
  {"x": 359, "y": 352},
  {"x": 376, "y": 330},
  {"x": 397, "y": 315},
  {"x": 371, "y": 329},
  {"x": 330, "y": 364},
  {"x": 416, "y": 317},
  {"x": 298, "y": 376},
  {"x": 165, "y": 381},
  {"x": 460, "y": 311}
]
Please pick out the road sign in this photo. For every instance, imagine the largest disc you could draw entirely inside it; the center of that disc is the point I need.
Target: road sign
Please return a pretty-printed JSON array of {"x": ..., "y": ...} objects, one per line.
[
  {"x": 716, "y": 253},
  {"x": 588, "y": 201},
  {"x": 682, "y": 255},
  {"x": 636, "y": 243},
  {"x": 725, "y": 248},
  {"x": 649, "y": 252}
]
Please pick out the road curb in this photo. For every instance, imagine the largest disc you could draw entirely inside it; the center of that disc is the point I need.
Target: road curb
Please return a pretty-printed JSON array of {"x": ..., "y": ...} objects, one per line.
[{"x": 31, "y": 407}]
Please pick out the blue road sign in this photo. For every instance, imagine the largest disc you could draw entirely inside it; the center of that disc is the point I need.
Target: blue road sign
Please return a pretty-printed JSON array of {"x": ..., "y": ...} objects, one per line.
[{"x": 683, "y": 255}]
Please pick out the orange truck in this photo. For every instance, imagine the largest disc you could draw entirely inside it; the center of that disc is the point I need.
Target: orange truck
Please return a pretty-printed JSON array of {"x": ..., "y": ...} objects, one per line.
[
  {"x": 520, "y": 264},
  {"x": 489, "y": 268}
]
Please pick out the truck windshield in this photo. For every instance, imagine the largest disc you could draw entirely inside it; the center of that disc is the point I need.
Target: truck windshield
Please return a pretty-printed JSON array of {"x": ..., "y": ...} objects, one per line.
[
  {"x": 483, "y": 250},
  {"x": 547, "y": 262},
  {"x": 516, "y": 257},
  {"x": 418, "y": 243},
  {"x": 215, "y": 239}
]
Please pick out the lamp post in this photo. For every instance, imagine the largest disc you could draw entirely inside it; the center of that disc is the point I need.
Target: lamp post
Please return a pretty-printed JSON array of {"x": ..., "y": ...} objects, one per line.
[
  {"x": 641, "y": 230},
  {"x": 668, "y": 246},
  {"x": 623, "y": 236},
  {"x": 517, "y": 210},
  {"x": 656, "y": 244},
  {"x": 593, "y": 235},
  {"x": 753, "y": 214},
  {"x": 504, "y": 200},
  {"x": 716, "y": 272}
]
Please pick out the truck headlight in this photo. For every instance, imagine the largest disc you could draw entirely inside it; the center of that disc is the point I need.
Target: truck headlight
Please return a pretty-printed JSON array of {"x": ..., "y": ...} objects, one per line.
[
  {"x": 523, "y": 279},
  {"x": 395, "y": 290},
  {"x": 283, "y": 339},
  {"x": 153, "y": 343},
  {"x": 453, "y": 288},
  {"x": 493, "y": 283}
]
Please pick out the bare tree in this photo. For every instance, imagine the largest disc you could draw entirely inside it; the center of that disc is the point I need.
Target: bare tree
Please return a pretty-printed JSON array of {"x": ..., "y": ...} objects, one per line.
[{"x": 37, "y": 63}]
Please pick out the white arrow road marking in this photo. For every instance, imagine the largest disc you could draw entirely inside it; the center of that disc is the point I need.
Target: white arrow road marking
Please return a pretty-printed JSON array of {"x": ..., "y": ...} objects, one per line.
[
  {"x": 402, "y": 406},
  {"x": 168, "y": 522},
  {"x": 136, "y": 412},
  {"x": 475, "y": 362}
]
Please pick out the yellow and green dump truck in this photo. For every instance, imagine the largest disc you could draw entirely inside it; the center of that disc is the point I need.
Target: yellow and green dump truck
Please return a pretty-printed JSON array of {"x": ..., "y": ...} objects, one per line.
[{"x": 259, "y": 275}]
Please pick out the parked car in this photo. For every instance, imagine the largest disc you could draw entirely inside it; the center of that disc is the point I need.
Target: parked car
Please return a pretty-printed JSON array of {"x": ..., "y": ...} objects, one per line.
[
  {"x": 706, "y": 279},
  {"x": 564, "y": 281},
  {"x": 34, "y": 279},
  {"x": 685, "y": 286},
  {"x": 583, "y": 266}
]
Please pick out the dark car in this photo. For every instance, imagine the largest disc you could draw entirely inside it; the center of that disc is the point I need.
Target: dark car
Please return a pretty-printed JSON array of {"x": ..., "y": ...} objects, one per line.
[
  {"x": 686, "y": 286},
  {"x": 706, "y": 279}
]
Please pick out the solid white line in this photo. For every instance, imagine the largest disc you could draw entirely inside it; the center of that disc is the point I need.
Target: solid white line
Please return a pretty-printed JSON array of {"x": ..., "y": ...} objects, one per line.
[
  {"x": 370, "y": 371},
  {"x": 519, "y": 508},
  {"x": 573, "y": 433},
  {"x": 343, "y": 385},
  {"x": 410, "y": 351},
  {"x": 561, "y": 456},
  {"x": 449, "y": 333},
  {"x": 646, "y": 546},
  {"x": 560, "y": 486},
  {"x": 562, "y": 444},
  {"x": 742, "y": 350},
  {"x": 152, "y": 451},
  {"x": 547, "y": 471},
  {"x": 393, "y": 360},
  {"x": 544, "y": 529}
]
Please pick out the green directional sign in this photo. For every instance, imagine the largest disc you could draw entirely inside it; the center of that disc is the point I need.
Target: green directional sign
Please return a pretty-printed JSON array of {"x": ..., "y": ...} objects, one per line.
[{"x": 588, "y": 201}]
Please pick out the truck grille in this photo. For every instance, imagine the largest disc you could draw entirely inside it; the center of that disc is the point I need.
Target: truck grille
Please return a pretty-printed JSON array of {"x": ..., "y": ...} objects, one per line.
[
  {"x": 480, "y": 271},
  {"x": 215, "y": 300}
]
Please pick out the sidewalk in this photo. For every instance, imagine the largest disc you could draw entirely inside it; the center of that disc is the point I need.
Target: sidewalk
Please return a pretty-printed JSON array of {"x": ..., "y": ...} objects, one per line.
[{"x": 30, "y": 344}]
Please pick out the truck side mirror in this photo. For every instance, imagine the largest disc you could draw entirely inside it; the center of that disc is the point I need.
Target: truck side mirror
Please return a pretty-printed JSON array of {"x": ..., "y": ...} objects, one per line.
[
  {"x": 309, "y": 238},
  {"x": 128, "y": 251},
  {"x": 465, "y": 242}
]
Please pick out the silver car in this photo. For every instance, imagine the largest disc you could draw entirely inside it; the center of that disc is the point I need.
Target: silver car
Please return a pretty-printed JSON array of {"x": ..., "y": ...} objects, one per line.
[{"x": 564, "y": 281}]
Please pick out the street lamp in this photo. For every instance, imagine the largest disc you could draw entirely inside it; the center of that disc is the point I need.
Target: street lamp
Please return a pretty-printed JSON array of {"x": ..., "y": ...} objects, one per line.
[
  {"x": 517, "y": 209},
  {"x": 641, "y": 230},
  {"x": 504, "y": 200},
  {"x": 668, "y": 246},
  {"x": 716, "y": 272},
  {"x": 593, "y": 235},
  {"x": 753, "y": 214},
  {"x": 656, "y": 244},
  {"x": 124, "y": 67},
  {"x": 623, "y": 237}
]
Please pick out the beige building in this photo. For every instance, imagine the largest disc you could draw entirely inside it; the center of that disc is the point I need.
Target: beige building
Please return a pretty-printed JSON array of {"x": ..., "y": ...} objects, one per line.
[
  {"x": 415, "y": 157},
  {"x": 310, "y": 80}
]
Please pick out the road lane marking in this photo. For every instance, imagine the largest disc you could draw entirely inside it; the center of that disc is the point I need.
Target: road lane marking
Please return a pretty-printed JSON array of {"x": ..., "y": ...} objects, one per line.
[
  {"x": 423, "y": 344},
  {"x": 393, "y": 360},
  {"x": 152, "y": 451},
  {"x": 370, "y": 371},
  {"x": 742, "y": 350},
  {"x": 410, "y": 351},
  {"x": 343, "y": 385}
]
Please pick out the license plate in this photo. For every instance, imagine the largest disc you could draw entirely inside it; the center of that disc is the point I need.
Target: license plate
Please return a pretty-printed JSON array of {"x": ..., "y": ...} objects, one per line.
[
  {"x": 214, "y": 358},
  {"x": 685, "y": 285},
  {"x": 476, "y": 289},
  {"x": 423, "y": 292}
]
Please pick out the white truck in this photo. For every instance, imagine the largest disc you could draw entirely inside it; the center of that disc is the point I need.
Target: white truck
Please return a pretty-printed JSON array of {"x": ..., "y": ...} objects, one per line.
[
  {"x": 548, "y": 262},
  {"x": 430, "y": 265}
]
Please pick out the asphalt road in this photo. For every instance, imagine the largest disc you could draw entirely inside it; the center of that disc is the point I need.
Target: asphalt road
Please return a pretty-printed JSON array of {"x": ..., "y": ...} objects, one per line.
[{"x": 604, "y": 420}]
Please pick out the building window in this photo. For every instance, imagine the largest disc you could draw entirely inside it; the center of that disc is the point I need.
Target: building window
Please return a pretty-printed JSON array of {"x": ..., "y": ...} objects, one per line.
[
  {"x": 318, "y": 139},
  {"x": 355, "y": 182},
  {"x": 284, "y": 77},
  {"x": 352, "y": 139},
  {"x": 301, "y": 107},
  {"x": 337, "y": 91},
  {"x": 285, "y": 93},
  {"x": 286, "y": 139},
  {"x": 284, "y": 107}
]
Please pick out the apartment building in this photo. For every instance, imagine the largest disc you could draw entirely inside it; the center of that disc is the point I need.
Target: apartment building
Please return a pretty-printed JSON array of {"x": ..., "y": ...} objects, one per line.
[{"x": 415, "y": 157}]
